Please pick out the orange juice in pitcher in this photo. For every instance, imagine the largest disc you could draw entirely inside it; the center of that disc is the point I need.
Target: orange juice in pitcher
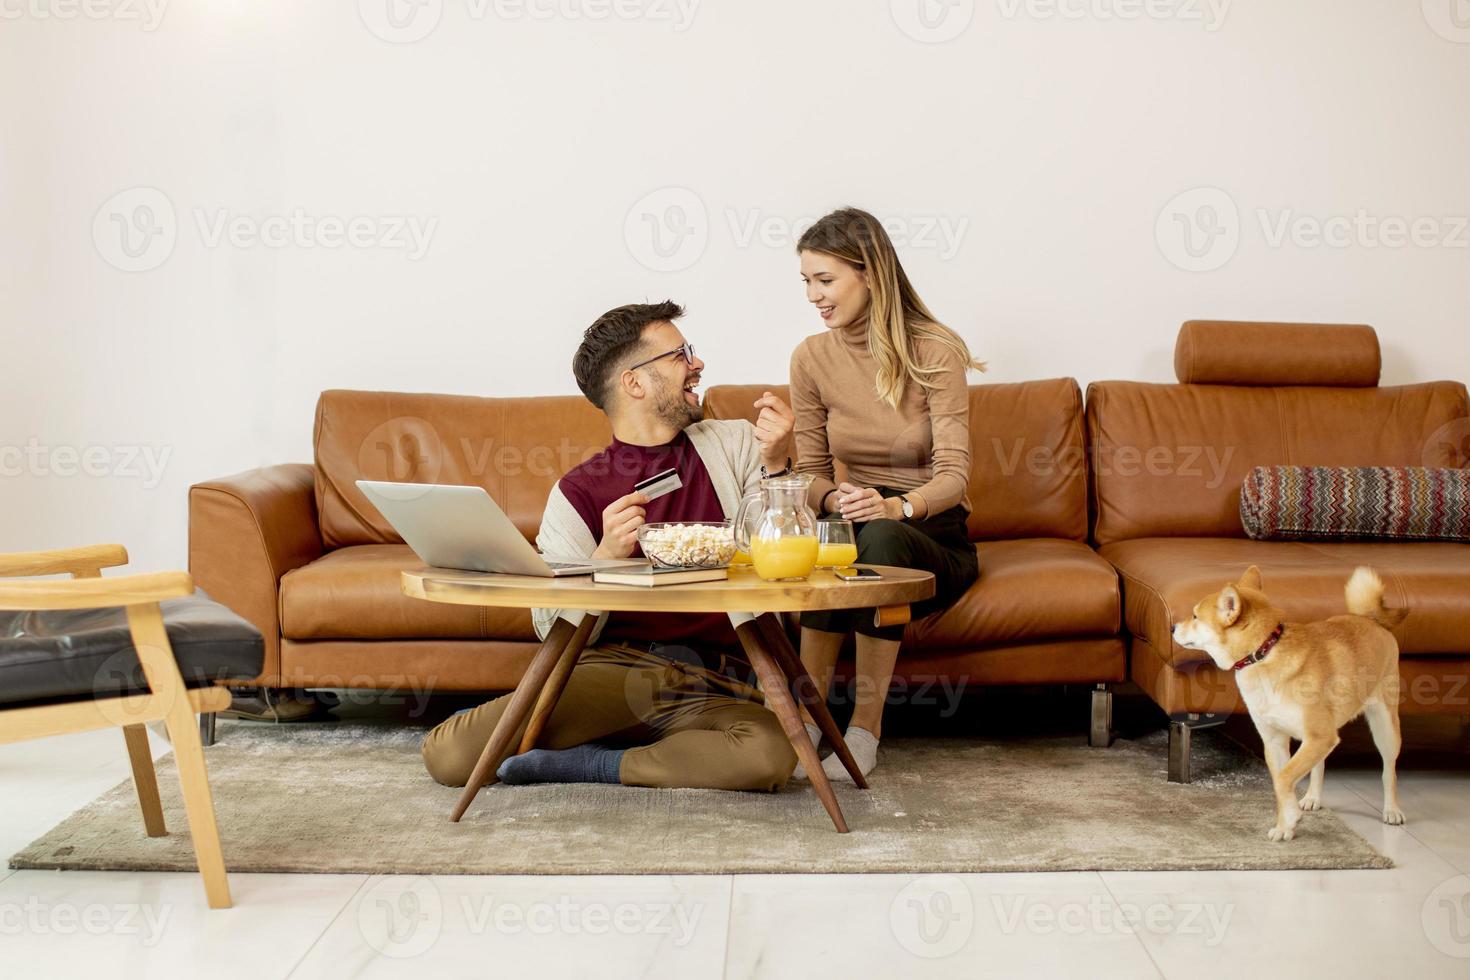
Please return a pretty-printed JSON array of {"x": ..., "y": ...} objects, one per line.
[{"x": 790, "y": 557}]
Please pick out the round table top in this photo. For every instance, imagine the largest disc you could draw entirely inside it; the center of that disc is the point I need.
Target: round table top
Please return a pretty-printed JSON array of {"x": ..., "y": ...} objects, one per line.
[{"x": 743, "y": 591}]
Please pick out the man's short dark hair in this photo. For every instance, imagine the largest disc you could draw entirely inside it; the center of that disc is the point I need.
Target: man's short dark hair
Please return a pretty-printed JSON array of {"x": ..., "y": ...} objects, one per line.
[{"x": 610, "y": 342}]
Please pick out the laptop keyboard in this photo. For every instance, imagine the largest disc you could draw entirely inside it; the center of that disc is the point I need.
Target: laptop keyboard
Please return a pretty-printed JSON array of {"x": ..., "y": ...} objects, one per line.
[{"x": 564, "y": 564}]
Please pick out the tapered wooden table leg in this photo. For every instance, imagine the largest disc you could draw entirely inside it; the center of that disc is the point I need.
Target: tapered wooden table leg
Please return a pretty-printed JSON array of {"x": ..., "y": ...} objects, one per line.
[
  {"x": 556, "y": 683},
  {"x": 776, "y": 687},
  {"x": 515, "y": 713},
  {"x": 806, "y": 692}
]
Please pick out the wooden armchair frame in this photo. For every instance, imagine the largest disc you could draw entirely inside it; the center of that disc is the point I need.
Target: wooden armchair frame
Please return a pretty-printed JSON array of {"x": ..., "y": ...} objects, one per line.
[{"x": 168, "y": 699}]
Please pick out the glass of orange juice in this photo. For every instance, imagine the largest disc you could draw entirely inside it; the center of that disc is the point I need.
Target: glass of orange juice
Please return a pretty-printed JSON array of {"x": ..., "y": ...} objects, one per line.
[{"x": 836, "y": 544}]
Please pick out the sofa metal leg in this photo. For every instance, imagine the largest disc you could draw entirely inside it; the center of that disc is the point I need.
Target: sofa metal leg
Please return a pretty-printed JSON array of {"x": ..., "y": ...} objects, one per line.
[
  {"x": 1100, "y": 732},
  {"x": 1179, "y": 752},
  {"x": 1180, "y": 731},
  {"x": 206, "y": 728}
]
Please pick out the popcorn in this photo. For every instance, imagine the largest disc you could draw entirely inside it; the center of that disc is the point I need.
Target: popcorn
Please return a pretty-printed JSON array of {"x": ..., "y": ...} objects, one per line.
[{"x": 688, "y": 545}]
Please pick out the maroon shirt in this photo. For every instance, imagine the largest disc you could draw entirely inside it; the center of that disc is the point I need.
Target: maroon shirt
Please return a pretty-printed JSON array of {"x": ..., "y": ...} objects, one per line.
[{"x": 611, "y": 474}]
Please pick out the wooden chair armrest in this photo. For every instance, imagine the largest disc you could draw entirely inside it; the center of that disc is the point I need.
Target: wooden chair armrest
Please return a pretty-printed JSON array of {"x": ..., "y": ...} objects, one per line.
[
  {"x": 85, "y": 562},
  {"x": 96, "y": 593}
]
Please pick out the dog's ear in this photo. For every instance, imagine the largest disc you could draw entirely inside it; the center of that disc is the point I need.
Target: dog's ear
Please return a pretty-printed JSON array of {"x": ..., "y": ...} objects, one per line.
[
  {"x": 1251, "y": 579},
  {"x": 1227, "y": 606}
]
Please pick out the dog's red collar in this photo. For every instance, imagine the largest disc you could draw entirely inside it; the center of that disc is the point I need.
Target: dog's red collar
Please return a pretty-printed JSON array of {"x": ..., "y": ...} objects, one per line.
[{"x": 1261, "y": 650}]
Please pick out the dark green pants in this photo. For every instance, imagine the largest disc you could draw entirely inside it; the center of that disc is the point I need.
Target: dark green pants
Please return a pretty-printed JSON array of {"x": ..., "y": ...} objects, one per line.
[{"x": 939, "y": 543}]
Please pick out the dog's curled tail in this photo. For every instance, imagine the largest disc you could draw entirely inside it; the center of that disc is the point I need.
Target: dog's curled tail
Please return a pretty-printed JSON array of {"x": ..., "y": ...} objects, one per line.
[{"x": 1365, "y": 598}]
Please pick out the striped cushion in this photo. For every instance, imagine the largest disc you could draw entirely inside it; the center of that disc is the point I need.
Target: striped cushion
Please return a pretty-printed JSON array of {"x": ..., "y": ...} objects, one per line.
[{"x": 1393, "y": 502}]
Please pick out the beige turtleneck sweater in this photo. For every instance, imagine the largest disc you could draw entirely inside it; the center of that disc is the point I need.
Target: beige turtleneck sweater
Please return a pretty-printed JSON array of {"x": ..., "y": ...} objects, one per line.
[{"x": 923, "y": 447}]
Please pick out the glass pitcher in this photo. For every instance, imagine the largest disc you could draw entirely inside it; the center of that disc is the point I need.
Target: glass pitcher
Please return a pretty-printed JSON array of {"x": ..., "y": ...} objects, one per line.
[{"x": 777, "y": 529}]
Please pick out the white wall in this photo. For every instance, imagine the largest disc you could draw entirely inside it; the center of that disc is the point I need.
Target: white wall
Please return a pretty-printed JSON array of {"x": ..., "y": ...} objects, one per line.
[{"x": 1055, "y": 139}]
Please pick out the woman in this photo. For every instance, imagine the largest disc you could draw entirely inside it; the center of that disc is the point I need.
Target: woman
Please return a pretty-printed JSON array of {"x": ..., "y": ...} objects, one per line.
[{"x": 883, "y": 390}]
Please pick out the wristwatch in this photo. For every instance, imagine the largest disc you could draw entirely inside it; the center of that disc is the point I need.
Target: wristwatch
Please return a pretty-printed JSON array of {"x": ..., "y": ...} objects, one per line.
[{"x": 908, "y": 508}]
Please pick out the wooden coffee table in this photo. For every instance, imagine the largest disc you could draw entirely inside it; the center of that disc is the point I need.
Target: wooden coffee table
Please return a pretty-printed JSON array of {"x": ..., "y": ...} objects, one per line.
[{"x": 763, "y": 637}]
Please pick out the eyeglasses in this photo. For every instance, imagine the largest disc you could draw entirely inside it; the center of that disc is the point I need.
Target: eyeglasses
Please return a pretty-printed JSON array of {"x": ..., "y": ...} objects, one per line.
[{"x": 686, "y": 349}]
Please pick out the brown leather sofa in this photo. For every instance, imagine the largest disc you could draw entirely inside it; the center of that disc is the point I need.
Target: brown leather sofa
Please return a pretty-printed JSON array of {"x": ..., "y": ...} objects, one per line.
[
  {"x": 1167, "y": 464},
  {"x": 298, "y": 551}
]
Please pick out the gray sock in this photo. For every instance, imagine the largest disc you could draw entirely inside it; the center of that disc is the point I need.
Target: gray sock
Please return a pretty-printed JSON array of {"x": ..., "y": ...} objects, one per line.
[
  {"x": 864, "y": 749},
  {"x": 815, "y": 734},
  {"x": 583, "y": 764}
]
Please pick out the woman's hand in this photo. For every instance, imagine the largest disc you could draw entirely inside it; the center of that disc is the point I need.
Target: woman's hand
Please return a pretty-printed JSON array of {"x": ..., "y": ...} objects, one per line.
[
  {"x": 773, "y": 428},
  {"x": 861, "y": 504}
]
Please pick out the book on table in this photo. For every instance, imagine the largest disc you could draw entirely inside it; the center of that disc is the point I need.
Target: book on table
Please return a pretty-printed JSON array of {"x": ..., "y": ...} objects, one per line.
[{"x": 651, "y": 575}]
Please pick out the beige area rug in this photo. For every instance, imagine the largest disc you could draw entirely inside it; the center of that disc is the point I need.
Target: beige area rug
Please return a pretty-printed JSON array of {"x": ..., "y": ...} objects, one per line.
[{"x": 354, "y": 797}]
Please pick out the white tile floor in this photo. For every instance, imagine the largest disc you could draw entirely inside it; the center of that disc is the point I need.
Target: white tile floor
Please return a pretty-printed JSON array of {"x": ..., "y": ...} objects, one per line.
[{"x": 1411, "y": 921}]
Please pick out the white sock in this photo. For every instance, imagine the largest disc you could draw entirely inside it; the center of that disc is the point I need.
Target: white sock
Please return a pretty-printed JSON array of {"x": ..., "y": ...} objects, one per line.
[
  {"x": 815, "y": 734},
  {"x": 864, "y": 749}
]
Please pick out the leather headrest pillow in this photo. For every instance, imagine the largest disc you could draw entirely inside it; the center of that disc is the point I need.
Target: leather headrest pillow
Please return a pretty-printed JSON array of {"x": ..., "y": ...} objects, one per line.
[{"x": 1230, "y": 352}]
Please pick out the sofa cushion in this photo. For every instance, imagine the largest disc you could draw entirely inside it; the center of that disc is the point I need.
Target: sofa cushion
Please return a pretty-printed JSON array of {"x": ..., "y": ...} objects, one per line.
[
  {"x": 1164, "y": 577},
  {"x": 1028, "y": 472},
  {"x": 1405, "y": 503},
  {"x": 1029, "y": 589},
  {"x": 88, "y": 653},
  {"x": 355, "y": 594},
  {"x": 1170, "y": 459},
  {"x": 516, "y": 448}
]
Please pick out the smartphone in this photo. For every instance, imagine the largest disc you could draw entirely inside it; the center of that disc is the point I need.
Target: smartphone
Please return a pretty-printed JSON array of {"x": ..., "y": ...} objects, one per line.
[{"x": 856, "y": 574}]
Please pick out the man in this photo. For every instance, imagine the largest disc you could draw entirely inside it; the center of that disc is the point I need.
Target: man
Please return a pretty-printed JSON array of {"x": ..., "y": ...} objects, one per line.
[{"x": 656, "y": 699}]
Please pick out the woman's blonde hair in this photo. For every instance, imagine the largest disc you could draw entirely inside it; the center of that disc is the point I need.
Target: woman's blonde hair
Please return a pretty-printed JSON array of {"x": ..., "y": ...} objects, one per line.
[{"x": 897, "y": 318}]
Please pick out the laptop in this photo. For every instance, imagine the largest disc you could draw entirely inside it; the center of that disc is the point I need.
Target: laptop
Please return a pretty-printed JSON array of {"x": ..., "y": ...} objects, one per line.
[{"x": 463, "y": 527}]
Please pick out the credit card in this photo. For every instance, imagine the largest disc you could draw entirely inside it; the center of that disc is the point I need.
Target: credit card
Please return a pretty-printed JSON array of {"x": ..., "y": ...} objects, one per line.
[{"x": 659, "y": 484}]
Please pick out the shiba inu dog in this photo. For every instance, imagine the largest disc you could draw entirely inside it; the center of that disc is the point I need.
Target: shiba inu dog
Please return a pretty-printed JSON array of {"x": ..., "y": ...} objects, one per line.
[{"x": 1304, "y": 681}]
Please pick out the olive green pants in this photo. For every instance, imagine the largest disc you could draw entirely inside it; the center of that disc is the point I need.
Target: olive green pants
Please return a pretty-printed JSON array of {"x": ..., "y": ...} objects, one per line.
[{"x": 688, "y": 727}]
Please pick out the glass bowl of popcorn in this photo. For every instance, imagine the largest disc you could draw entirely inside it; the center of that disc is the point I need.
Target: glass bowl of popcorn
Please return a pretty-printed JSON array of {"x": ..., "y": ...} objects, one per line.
[{"x": 710, "y": 544}]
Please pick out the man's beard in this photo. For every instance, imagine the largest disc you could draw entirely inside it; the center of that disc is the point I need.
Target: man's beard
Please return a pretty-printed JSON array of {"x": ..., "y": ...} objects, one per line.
[{"x": 674, "y": 408}]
